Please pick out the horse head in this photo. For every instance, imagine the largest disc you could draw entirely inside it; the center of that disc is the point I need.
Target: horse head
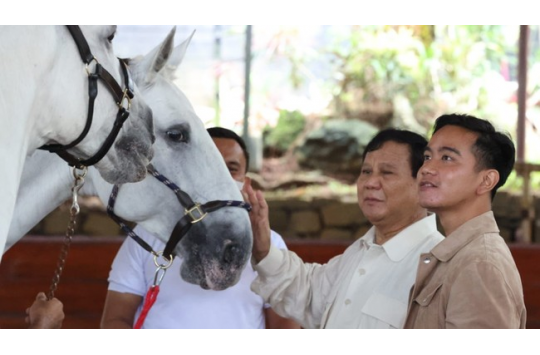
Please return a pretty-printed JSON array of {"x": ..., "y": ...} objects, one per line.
[
  {"x": 68, "y": 98},
  {"x": 215, "y": 251}
]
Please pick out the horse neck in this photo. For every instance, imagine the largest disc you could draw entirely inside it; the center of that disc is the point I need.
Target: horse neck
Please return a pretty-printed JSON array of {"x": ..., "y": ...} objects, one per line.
[
  {"x": 45, "y": 185},
  {"x": 17, "y": 94}
]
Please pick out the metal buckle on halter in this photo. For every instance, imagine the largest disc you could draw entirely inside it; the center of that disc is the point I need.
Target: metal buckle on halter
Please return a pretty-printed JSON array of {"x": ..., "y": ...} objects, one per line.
[
  {"x": 94, "y": 59},
  {"x": 200, "y": 215},
  {"x": 127, "y": 95}
]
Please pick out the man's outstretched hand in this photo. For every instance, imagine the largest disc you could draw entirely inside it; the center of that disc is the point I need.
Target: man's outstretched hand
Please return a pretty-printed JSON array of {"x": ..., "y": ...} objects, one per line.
[{"x": 259, "y": 221}]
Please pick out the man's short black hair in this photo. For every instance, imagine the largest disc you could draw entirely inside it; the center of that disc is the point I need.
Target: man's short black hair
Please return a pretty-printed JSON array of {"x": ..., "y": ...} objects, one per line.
[
  {"x": 220, "y": 132},
  {"x": 416, "y": 143},
  {"x": 493, "y": 150}
]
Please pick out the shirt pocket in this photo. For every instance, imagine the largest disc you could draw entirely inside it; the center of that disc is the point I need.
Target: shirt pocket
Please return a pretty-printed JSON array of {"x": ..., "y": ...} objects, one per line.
[
  {"x": 427, "y": 295},
  {"x": 386, "y": 309}
]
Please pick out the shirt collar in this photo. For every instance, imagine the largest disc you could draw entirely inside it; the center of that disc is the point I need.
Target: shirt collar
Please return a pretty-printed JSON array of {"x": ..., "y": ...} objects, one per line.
[
  {"x": 465, "y": 234},
  {"x": 405, "y": 241}
]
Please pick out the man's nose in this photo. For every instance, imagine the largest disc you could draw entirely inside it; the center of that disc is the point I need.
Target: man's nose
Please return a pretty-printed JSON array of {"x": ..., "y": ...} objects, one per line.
[
  {"x": 428, "y": 168},
  {"x": 373, "y": 182}
]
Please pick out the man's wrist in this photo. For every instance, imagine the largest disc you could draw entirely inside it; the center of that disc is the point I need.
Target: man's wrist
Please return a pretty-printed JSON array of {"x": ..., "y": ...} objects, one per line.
[{"x": 259, "y": 256}]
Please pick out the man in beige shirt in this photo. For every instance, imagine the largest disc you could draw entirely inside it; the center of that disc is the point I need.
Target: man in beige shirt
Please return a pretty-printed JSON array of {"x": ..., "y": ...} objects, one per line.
[{"x": 470, "y": 279}]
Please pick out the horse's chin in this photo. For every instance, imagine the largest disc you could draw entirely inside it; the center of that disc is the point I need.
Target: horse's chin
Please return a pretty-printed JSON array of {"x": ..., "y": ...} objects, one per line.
[
  {"x": 210, "y": 278},
  {"x": 128, "y": 158},
  {"x": 120, "y": 167},
  {"x": 125, "y": 172}
]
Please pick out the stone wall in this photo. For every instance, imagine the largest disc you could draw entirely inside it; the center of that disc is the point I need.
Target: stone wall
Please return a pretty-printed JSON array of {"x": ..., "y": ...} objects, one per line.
[
  {"x": 293, "y": 217},
  {"x": 342, "y": 219}
]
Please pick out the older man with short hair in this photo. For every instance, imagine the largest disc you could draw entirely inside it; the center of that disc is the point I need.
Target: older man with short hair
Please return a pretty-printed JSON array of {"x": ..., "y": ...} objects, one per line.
[{"x": 368, "y": 286}]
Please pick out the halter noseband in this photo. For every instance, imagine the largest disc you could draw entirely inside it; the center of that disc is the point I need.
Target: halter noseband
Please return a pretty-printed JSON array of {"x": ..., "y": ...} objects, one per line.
[
  {"x": 120, "y": 96},
  {"x": 193, "y": 214}
]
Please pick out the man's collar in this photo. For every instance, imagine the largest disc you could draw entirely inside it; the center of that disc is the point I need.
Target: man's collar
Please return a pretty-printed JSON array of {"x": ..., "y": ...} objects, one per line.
[
  {"x": 466, "y": 233},
  {"x": 402, "y": 243}
]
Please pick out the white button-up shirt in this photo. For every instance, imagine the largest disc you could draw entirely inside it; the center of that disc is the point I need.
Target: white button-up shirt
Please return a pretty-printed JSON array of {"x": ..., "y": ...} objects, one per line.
[{"x": 366, "y": 287}]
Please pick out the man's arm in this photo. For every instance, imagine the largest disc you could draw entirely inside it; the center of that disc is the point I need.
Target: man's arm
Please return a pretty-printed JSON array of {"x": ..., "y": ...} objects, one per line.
[
  {"x": 120, "y": 309},
  {"x": 480, "y": 298},
  {"x": 44, "y": 314},
  {"x": 292, "y": 288}
]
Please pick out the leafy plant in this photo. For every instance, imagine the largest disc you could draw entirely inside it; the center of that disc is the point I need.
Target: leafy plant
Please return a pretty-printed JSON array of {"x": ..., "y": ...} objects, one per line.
[
  {"x": 437, "y": 68},
  {"x": 279, "y": 138}
]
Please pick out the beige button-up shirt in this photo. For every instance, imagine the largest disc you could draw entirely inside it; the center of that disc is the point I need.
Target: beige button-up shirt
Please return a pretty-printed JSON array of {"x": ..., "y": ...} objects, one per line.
[
  {"x": 366, "y": 287},
  {"x": 469, "y": 280}
]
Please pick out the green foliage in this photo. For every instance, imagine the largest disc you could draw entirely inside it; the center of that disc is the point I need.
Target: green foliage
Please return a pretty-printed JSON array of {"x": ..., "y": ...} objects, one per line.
[
  {"x": 279, "y": 138},
  {"x": 515, "y": 183},
  {"x": 439, "y": 69}
]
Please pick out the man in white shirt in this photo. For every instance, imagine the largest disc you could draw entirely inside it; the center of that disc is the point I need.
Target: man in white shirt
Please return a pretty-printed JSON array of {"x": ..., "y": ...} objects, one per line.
[
  {"x": 180, "y": 304},
  {"x": 368, "y": 286}
]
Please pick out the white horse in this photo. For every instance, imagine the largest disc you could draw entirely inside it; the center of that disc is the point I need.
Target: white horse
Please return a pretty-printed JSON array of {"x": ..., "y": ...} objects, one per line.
[
  {"x": 215, "y": 250},
  {"x": 44, "y": 99}
]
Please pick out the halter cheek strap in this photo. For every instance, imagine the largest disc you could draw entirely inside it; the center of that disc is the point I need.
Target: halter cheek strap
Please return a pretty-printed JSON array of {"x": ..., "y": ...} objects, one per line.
[
  {"x": 120, "y": 96},
  {"x": 194, "y": 213}
]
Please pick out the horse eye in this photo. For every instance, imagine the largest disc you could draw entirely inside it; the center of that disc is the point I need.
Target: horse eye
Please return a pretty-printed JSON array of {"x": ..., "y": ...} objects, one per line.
[
  {"x": 176, "y": 136},
  {"x": 110, "y": 38}
]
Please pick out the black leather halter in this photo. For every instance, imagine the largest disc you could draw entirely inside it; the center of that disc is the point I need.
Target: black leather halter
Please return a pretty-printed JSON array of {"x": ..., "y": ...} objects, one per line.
[
  {"x": 193, "y": 213},
  {"x": 120, "y": 96}
]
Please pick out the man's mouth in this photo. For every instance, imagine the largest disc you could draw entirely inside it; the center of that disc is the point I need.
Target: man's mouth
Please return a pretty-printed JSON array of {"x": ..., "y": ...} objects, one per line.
[
  {"x": 427, "y": 184},
  {"x": 371, "y": 199}
]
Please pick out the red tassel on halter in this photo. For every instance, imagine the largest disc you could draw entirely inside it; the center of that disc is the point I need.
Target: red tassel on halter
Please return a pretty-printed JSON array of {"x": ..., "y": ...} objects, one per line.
[{"x": 149, "y": 301}]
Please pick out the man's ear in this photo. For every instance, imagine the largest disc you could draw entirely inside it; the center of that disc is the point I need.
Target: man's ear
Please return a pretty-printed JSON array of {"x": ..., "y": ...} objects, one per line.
[{"x": 490, "y": 178}]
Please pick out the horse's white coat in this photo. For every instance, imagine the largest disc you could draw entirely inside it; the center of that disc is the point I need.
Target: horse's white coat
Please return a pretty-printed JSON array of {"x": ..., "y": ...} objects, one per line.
[
  {"x": 195, "y": 165},
  {"x": 44, "y": 99}
]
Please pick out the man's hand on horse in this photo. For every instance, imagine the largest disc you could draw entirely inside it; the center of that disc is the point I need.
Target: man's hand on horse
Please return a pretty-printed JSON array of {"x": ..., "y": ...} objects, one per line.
[{"x": 259, "y": 221}]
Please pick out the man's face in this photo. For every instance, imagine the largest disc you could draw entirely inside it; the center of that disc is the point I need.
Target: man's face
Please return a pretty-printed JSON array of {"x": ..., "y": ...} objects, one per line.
[
  {"x": 449, "y": 178},
  {"x": 234, "y": 157},
  {"x": 387, "y": 192}
]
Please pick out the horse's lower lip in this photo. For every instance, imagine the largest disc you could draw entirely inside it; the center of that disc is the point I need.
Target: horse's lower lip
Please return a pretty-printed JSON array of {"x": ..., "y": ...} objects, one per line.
[{"x": 209, "y": 283}]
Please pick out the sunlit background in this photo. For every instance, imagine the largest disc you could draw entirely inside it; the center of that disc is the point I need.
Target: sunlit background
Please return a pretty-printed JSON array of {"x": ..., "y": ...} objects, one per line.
[{"x": 385, "y": 75}]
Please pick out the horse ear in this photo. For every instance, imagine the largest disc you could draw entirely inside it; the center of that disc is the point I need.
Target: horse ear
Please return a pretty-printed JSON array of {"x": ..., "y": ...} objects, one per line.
[
  {"x": 156, "y": 60},
  {"x": 179, "y": 52}
]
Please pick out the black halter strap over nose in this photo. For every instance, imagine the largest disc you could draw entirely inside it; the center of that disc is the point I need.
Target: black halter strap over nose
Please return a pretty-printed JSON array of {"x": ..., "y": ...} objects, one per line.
[
  {"x": 120, "y": 96},
  {"x": 193, "y": 213}
]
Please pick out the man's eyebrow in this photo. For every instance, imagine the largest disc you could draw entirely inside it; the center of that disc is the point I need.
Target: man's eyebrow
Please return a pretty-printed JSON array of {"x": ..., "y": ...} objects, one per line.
[
  {"x": 450, "y": 149},
  {"x": 387, "y": 166},
  {"x": 443, "y": 149},
  {"x": 233, "y": 163}
]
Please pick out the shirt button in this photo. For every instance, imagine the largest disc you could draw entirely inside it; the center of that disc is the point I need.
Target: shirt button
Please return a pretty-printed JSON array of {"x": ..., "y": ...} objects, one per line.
[
  {"x": 362, "y": 272},
  {"x": 427, "y": 260},
  {"x": 347, "y": 302}
]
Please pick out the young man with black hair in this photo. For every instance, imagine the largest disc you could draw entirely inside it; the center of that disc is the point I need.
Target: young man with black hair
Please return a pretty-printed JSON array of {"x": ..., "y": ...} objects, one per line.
[{"x": 469, "y": 280}]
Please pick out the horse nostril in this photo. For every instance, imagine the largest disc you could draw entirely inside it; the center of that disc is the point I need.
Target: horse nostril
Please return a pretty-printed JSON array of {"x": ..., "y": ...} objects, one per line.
[{"x": 229, "y": 253}]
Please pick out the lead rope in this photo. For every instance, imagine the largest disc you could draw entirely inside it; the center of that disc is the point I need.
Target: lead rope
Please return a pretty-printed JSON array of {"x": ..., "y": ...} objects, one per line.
[
  {"x": 153, "y": 291},
  {"x": 74, "y": 211}
]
